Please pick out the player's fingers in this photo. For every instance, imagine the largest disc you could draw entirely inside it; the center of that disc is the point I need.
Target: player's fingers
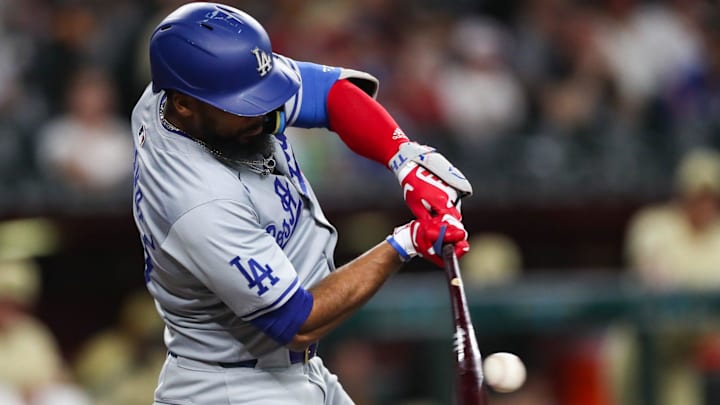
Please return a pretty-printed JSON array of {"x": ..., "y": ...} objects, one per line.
[
  {"x": 456, "y": 230},
  {"x": 432, "y": 228},
  {"x": 446, "y": 213},
  {"x": 442, "y": 205},
  {"x": 461, "y": 248},
  {"x": 452, "y": 211},
  {"x": 420, "y": 212},
  {"x": 454, "y": 235},
  {"x": 436, "y": 259}
]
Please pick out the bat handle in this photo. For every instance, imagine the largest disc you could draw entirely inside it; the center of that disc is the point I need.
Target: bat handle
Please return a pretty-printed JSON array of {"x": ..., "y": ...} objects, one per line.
[
  {"x": 448, "y": 253},
  {"x": 450, "y": 262}
]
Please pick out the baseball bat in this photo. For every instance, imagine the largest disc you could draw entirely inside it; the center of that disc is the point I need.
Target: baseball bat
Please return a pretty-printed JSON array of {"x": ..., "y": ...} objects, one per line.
[{"x": 469, "y": 388}]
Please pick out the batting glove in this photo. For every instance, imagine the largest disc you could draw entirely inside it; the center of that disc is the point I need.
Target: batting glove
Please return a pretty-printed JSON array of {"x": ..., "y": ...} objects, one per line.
[
  {"x": 426, "y": 237},
  {"x": 431, "y": 185},
  {"x": 426, "y": 194}
]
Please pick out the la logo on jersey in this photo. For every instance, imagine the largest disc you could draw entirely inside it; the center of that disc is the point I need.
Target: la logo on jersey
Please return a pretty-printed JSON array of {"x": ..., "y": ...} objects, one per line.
[{"x": 264, "y": 61}]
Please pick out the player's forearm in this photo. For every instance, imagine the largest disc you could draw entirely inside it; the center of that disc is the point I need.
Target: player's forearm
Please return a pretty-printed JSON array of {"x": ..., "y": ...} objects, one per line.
[
  {"x": 340, "y": 294},
  {"x": 362, "y": 123}
]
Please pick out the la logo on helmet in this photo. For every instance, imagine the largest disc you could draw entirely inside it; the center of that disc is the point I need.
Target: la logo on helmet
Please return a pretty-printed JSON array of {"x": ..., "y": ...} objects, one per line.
[{"x": 264, "y": 61}]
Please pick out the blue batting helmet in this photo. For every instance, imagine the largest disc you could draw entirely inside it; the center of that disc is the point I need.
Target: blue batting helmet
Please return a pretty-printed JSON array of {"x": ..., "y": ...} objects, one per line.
[{"x": 222, "y": 56}]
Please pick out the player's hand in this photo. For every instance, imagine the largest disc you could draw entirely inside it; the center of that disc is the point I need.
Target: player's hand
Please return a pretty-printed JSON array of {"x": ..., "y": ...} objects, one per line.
[
  {"x": 431, "y": 185},
  {"x": 427, "y": 195},
  {"x": 425, "y": 238}
]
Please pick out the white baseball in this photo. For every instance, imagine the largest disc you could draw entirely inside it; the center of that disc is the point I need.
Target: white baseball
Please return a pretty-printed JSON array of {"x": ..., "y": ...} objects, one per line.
[{"x": 504, "y": 372}]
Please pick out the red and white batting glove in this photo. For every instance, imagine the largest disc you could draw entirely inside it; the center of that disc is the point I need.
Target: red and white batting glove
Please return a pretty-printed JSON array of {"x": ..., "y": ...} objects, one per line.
[
  {"x": 431, "y": 185},
  {"x": 426, "y": 194},
  {"x": 426, "y": 237}
]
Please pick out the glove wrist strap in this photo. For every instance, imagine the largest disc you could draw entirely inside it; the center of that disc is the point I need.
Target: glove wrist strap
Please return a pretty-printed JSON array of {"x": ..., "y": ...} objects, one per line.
[
  {"x": 404, "y": 256},
  {"x": 401, "y": 241}
]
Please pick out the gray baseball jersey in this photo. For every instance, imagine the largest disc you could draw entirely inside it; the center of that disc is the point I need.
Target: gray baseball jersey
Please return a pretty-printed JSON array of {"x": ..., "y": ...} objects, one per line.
[{"x": 224, "y": 244}]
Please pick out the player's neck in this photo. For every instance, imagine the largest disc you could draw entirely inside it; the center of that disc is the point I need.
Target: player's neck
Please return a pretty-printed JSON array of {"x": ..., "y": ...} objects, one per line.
[{"x": 174, "y": 119}]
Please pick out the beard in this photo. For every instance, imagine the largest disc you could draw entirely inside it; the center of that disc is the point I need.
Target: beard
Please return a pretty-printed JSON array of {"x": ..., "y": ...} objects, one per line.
[{"x": 237, "y": 147}]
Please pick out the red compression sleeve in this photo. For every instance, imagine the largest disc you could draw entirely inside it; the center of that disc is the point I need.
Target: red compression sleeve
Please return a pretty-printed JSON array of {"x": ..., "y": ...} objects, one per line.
[{"x": 362, "y": 123}]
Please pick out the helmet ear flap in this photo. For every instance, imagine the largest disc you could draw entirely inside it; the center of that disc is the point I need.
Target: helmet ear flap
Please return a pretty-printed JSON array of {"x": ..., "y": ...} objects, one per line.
[{"x": 275, "y": 122}]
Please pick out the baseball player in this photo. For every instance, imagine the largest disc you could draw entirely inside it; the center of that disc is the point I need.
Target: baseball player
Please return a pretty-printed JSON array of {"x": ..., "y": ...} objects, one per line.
[{"x": 238, "y": 253}]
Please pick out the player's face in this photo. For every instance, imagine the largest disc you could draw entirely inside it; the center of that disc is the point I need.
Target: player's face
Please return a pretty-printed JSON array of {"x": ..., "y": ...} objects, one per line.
[{"x": 232, "y": 135}]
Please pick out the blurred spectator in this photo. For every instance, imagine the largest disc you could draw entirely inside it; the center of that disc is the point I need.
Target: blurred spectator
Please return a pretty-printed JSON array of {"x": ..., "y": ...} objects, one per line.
[
  {"x": 411, "y": 94},
  {"x": 480, "y": 97},
  {"x": 645, "y": 45},
  {"x": 677, "y": 245},
  {"x": 28, "y": 237},
  {"x": 120, "y": 365},
  {"x": 692, "y": 99},
  {"x": 577, "y": 95},
  {"x": 60, "y": 394},
  {"x": 494, "y": 259},
  {"x": 88, "y": 148},
  {"x": 9, "y": 396},
  {"x": 31, "y": 362},
  {"x": 539, "y": 67},
  {"x": 114, "y": 47},
  {"x": 63, "y": 35},
  {"x": 29, "y": 352},
  {"x": 22, "y": 109}
]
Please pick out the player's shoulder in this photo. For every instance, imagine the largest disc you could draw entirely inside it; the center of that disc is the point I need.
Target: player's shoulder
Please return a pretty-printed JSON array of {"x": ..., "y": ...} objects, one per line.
[
  {"x": 143, "y": 118},
  {"x": 311, "y": 72},
  {"x": 145, "y": 103},
  {"x": 307, "y": 108}
]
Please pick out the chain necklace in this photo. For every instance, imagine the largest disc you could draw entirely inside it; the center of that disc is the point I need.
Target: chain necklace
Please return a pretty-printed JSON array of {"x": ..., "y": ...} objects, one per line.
[{"x": 262, "y": 166}]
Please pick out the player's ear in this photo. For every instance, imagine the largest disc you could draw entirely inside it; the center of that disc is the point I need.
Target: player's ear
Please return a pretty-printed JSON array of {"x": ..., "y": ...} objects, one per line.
[{"x": 183, "y": 104}]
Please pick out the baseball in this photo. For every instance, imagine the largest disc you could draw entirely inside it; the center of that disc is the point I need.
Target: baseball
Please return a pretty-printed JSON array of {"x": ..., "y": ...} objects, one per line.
[{"x": 504, "y": 372}]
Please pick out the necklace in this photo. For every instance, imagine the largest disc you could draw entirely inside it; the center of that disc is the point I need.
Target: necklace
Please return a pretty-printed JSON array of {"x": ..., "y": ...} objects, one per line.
[{"x": 262, "y": 166}]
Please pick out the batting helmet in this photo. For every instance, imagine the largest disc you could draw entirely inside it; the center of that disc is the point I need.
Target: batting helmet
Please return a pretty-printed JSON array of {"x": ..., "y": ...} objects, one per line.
[{"x": 222, "y": 56}]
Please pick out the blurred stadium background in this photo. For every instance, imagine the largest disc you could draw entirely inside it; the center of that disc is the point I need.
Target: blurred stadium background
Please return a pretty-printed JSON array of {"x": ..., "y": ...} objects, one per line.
[{"x": 588, "y": 128}]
